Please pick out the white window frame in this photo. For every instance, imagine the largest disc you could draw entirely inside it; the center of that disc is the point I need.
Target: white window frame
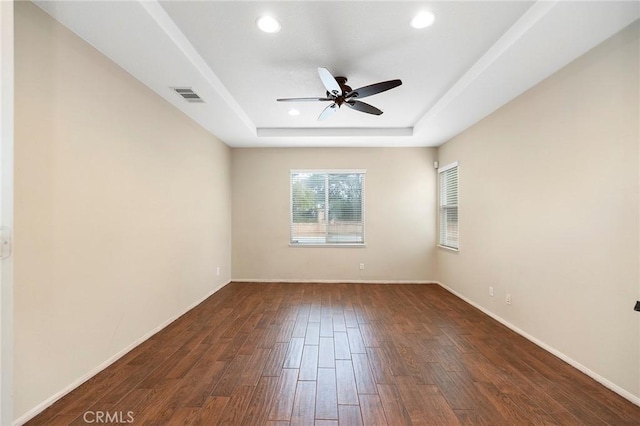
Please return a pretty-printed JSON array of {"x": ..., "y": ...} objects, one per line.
[
  {"x": 442, "y": 170},
  {"x": 327, "y": 171}
]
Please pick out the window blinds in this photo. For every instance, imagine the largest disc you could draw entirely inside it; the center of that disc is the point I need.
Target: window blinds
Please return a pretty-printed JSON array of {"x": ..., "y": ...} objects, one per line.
[
  {"x": 327, "y": 207},
  {"x": 449, "y": 205}
]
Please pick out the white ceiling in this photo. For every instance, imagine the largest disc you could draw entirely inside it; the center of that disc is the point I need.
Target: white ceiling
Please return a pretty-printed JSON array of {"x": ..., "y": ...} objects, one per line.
[{"x": 477, "y": 56}]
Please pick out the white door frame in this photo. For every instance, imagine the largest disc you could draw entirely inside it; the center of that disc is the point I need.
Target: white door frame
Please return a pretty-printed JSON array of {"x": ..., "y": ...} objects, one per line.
[{"x": 6, "y": 209}]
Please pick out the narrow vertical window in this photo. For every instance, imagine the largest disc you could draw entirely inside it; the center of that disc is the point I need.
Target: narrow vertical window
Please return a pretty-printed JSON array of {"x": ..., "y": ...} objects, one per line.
[
  {"x": 327, "y": 208},
  {"x": 448, "y": 201}
]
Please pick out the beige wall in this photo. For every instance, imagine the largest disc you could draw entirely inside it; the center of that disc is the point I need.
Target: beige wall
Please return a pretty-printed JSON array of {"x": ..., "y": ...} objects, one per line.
[
  {"x": 549, "y": 211},
  {"x": 122, "y": 209},
  {"x": 399, "y": 215}
]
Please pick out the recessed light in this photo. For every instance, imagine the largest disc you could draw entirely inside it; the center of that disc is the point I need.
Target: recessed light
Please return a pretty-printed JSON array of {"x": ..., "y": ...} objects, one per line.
[
  {"x": 423, "y": 19},
  {"x": 294, "y": 112},
  {"x": 268, "y": 24}
]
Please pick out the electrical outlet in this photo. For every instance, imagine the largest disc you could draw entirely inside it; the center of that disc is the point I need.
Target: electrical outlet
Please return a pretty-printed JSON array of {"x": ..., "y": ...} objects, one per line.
[
  {"x": 362, "y": 266},
  {"x": 218, "y": 270},
  {"x": 490, "y": 291},
  {"x": 508, "y": 299}
]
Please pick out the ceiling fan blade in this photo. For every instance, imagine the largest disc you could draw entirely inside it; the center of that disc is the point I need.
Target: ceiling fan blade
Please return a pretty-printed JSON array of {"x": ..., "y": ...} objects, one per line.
[
  {"x": 328, "y": 111},
  {"x": 363, "y": 107},
  {"x": 303, "y": 99},
  {"x": 373, "y": 89},
  {"x": 329, "y": 81}
]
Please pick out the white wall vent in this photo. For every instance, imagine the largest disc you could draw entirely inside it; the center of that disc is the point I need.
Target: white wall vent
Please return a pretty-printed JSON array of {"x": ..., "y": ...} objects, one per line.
[{"x": 188, "y": 94}]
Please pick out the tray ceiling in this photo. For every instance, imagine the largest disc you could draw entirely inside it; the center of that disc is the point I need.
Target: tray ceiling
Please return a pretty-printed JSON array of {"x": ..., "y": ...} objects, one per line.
[{"x": 474, "y": 58}]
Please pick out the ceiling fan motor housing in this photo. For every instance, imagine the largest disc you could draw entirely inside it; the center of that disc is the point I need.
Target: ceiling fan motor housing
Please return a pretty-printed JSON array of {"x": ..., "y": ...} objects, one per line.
[
  {"x": 340, "y": 99},
  {"x": 342, "y": 81}
]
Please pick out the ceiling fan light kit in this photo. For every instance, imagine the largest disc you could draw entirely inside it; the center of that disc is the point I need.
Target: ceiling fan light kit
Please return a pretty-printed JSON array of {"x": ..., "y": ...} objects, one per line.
[{"x": 339, "y": 93}]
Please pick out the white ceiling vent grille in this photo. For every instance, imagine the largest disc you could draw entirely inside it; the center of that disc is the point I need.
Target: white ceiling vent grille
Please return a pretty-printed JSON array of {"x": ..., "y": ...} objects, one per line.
[{"x": 188, "y": 94}]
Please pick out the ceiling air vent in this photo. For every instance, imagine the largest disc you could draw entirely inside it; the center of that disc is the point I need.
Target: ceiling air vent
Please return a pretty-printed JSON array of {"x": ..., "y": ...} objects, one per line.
[{"x": 188, "y": 94}]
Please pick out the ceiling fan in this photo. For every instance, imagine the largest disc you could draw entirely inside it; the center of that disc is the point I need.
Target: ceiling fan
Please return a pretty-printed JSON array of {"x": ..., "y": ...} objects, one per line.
[{"x": 339, "y": 93}]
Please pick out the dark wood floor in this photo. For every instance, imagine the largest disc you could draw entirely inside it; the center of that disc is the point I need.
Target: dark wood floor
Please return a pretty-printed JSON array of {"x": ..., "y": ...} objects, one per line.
[{"x": 348, "y": 354}]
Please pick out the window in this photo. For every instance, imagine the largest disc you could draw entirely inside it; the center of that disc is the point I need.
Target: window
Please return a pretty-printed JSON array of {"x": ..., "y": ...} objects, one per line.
[
  {"x": 448, "y": 200},
  {"x": 327, "y": 207}
]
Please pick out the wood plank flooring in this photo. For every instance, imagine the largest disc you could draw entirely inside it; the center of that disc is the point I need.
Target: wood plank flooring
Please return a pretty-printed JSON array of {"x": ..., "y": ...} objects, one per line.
[{"x": 340, "y": 354}]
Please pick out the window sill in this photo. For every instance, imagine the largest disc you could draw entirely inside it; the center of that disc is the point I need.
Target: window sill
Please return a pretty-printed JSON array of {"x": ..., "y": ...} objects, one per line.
[
  {"x": 354, "y": 245},
  {"x": 456, "y": 250}
]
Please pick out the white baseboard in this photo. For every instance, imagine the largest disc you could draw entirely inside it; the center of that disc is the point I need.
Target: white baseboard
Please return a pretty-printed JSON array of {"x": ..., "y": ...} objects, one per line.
[
  {"x": 52, "y": 399},
  {"x": 595, "y": 376},
  {"x": 292, "y": 281}
]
